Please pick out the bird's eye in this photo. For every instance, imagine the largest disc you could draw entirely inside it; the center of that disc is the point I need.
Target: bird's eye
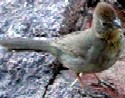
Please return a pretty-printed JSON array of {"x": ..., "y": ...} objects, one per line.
[{"x": 104, "y": 23}]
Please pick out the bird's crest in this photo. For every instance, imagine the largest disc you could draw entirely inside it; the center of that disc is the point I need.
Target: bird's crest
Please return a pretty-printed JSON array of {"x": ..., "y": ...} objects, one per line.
[{"x": 105, "y": 10}]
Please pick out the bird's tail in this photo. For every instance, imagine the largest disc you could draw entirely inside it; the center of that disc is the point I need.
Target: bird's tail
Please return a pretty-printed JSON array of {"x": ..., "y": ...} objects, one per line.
[{"x": 19, "y": 44}]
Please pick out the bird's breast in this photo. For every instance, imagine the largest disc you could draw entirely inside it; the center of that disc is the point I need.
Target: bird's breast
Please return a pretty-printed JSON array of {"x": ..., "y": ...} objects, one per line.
[{"x": 103, "y": 55}]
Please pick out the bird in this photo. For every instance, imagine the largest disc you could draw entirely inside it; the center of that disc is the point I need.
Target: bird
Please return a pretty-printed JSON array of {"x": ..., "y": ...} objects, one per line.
[{"x": 90, "y": 51}]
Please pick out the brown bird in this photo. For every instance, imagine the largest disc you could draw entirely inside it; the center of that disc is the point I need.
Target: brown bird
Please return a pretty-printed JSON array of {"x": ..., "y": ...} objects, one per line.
[{"x": 90, "y": 51}]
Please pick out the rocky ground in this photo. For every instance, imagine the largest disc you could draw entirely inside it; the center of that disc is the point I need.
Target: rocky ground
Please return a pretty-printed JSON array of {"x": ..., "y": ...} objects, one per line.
[{"x": 37, "y": 74}]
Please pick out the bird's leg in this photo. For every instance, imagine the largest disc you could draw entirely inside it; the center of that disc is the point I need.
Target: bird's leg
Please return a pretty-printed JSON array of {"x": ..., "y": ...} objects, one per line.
[
  {"x": 97, "y": 78},
  {"x": 78, "y": 78},
  {"x": 105, "y": 85}
]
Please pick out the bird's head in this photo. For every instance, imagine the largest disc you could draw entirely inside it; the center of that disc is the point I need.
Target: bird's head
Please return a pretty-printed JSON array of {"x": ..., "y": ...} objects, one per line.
[{"x": 105, "y": 22}]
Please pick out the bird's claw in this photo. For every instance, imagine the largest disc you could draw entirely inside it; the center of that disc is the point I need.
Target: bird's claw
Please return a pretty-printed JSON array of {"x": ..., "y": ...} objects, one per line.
[
  {"x": 109, "y": 87},
  {"x": 96, "y": 93}
]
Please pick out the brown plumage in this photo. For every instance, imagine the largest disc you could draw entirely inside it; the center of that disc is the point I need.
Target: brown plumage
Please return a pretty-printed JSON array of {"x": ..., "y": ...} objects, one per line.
[{"x": 105, "y": 10}]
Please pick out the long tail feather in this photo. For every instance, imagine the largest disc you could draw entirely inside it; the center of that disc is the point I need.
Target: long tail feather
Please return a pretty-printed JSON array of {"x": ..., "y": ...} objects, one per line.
[{"x": 25, "y": 43}]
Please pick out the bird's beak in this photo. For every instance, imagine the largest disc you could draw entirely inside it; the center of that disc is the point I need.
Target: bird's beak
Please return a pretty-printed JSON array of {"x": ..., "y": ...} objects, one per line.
[{"x": 117, "y": 23}]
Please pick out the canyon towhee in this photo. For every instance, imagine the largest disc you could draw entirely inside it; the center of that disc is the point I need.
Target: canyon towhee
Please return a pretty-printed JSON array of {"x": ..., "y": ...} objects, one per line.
[{"x": 90, "y": 51}]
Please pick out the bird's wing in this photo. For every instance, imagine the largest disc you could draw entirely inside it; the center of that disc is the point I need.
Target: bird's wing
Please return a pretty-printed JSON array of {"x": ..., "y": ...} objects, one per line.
[{"x": 76, "y": 43}]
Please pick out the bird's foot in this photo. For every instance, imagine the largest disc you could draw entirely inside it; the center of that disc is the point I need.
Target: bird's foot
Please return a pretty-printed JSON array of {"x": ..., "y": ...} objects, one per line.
[
  {"x": 108, "y": 87},
  {"x": 96, "y": 92}
]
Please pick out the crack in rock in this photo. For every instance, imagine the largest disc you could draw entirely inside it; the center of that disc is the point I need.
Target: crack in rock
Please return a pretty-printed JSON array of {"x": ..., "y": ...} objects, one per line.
[{"x": 56, "y": 68}]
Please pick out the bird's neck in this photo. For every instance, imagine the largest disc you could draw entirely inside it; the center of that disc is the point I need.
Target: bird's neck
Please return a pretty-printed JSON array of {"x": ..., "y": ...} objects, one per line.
[{"x": 110, "y": 37}]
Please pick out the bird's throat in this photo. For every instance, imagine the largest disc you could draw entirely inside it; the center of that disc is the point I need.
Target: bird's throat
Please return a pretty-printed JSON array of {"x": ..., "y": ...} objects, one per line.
[
  {"x": 113, "y": 36},
  {"x": 110, "y": 37}
]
